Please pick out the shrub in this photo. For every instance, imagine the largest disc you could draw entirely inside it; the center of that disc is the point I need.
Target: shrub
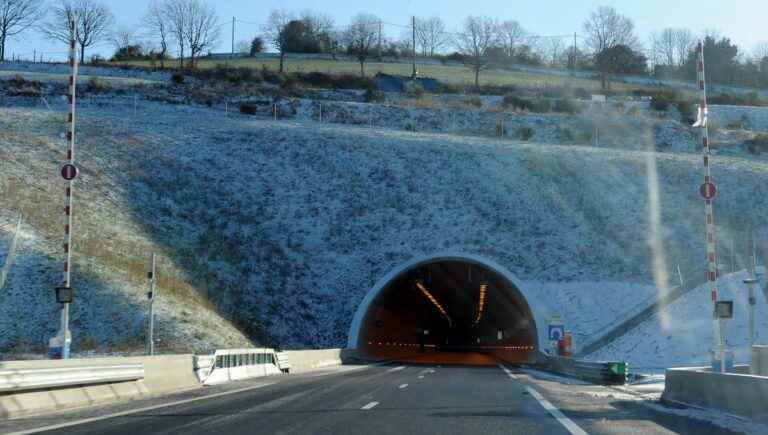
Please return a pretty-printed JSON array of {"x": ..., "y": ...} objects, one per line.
[
  {"x": 660, "y": 102},
  {"x": 248, "y": 109},
  {"x": 474, "y": 101},
  {"x": 97, "y": 85},
  {"x": 620, "y": 106},
  {"x": 633, "y": 111},
  {"x": 524, "y": 132},
  {"x": 566, "y": 134},
  {"x": 685, "y": 108},
  {"x": 734, "y": 125},
  {"x": 758, "y": 144},
  {"x": 566, "y": 105},
  {"x": 410, "y": 125},
  {"x": 373, "y": 96},
  {"x": 414, "y": 90},
  {"x": 289, "y": 82},
  {"x": 515, "y": 102},
  {"x": 178, "y": 78},
  {"x": 541, "y": 105}
]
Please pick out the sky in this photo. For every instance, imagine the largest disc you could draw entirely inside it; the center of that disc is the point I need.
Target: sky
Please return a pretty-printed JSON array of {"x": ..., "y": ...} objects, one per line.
[{"x": 741, "y": 20}]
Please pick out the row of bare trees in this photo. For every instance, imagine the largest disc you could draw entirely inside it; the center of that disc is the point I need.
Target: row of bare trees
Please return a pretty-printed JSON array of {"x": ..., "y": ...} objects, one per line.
[{"x": 192, "y": 25}]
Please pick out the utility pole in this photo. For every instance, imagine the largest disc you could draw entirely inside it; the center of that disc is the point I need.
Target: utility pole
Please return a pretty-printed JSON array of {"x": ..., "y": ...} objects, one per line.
[
  {"x": 151, "y": 296},
  {"x": 573, "y": 67},
  {"x": 413, "y": 22},
  {"x": 233, "y": 37},
  {"x": 58, "y": 345}
]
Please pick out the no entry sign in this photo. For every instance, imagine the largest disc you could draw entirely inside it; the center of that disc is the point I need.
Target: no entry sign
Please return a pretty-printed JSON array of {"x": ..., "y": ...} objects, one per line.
[
  {"x": 707, "y": 190},
  {"x": 69, "y": 171}
]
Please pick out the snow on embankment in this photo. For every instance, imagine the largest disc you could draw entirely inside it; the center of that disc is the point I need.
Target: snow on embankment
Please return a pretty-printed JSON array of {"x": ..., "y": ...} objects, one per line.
[
  {"x": 681, "y": 334},
  {"x": 285, "y": 225}
]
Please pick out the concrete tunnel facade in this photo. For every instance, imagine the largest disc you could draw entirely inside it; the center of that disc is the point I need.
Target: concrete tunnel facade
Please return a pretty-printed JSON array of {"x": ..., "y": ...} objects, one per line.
[{"x": 437, "y": 305}]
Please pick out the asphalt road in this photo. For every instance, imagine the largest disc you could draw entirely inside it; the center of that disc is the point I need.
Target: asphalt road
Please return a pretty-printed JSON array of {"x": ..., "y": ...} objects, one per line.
[{"x": 393, "y": 399}]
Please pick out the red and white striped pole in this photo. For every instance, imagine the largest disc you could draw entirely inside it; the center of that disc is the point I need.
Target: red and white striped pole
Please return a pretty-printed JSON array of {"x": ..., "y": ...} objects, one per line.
[
  {"x": 59, "y": 345},
  {"x": 708, "y": 192}
]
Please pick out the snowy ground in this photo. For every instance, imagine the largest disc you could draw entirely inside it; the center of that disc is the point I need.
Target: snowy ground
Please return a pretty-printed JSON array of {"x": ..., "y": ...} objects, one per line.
[
  {"x": 284, "y": 225},
  {"x": 681, "y": 334}
]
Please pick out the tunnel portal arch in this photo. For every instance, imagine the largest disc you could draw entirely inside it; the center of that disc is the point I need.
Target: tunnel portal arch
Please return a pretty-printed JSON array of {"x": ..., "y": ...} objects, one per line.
[{"x": 534, "y": 311}]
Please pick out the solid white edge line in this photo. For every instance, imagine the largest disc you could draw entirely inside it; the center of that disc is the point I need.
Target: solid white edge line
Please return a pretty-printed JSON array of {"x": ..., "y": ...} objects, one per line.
[
  {"x": 572, "y": 427},
  {"x": 135, "y": 411},
  {"x": 395, "y": 369},
  {"x": 403, "y": 386},
  {"x": 370, "y": 405}
]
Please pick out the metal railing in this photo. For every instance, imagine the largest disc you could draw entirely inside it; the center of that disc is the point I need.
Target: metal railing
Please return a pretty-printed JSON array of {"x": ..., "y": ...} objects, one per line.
[
  {"x": 45, "y": 378},
  {"x": 603, "y": 373}
]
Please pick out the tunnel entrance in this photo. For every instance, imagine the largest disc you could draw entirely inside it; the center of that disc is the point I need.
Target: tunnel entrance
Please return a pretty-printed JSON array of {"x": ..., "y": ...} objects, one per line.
[{"x": 446, "y": 309}]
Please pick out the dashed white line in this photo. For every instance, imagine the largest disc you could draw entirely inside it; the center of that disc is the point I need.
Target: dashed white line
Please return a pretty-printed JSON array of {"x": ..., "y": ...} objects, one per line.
[
  {"x": 370, "y": 405},
  {"x": 421, "y": 377},
  {"x": 395, "y": 369},
  {"x": 402, "y": 386},
  {"x": 572, "y": 427}
]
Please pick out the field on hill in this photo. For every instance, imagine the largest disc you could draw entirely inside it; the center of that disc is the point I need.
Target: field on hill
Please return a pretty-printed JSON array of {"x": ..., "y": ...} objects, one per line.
[
  {"x": 452, "y": 75},
  {"x": 280, "y": 227}
]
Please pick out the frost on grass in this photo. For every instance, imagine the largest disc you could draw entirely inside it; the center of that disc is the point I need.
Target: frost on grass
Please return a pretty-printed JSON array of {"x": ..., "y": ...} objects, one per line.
[{"x": 278, "y": 229}]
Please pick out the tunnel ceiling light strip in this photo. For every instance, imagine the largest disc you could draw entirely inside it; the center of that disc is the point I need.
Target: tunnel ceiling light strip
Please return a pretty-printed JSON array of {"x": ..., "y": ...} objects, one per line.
[
  {"x": 434, "y": 301},
  {"x": 481, "y": 303}
]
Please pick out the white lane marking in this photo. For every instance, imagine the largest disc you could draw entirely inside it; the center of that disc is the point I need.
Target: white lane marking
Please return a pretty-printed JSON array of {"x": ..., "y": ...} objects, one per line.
[
  {"x": 395, "y": 369},
  {"x": 402, "y": 386},
  {"x": 421, "y": 377},
  {"x": 370, "y": 405},
  {"x": 572, "y": 427},
  {"x": 136, "y": 411},
  {"x": 506, "y": 370},
  {"x": 565, "y": 421}
]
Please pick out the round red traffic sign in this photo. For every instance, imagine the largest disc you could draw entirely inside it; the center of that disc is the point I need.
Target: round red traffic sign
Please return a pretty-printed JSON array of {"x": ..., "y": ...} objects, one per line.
[
  {"x": 707, "y": 190},
  {"x": 69, "y": 171}
]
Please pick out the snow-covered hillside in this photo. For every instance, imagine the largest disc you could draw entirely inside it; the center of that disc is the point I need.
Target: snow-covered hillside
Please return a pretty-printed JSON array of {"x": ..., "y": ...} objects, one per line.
[
  {"x": 681, "y": 334},
  {"x": 284, "y": 225}
]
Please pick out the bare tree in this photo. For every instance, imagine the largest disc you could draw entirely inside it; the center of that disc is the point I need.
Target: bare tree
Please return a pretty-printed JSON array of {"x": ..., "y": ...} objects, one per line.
[
  {"x": 174, "y": 14},
  {"x": 94, "y": 21},
  {"x": 476, "y": 38},
  {"x": 665, "y": 46},
  {"x": 122, "y": 37},
  {"x": 605, "y": 28},
  {"x": 201, "y": 31},
  {"x": 156, "y": 23},
  {"x": 274, "y": 30},
  {"x": 684, "y": 42},
  {"x": 554, "y": 49},
  {"x": 760, "y": 51},
  {"x": 512, "y": 35},
  {"x": 17, "y": 16},
  {"x": 430, "y": 35},
  {"x": 362, "y": 37}
]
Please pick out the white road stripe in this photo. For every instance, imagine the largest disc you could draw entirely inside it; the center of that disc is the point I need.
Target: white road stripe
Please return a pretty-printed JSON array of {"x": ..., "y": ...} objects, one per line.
[
  {"x": 565, "y": 421},
  {"x": 402, "y": 386},
  {"x": 136, "y": 411},
  {"x": 395, "y": 369},
  {"x": 572, "y": 427},
  {"x": 421, "y": 377},
  {"x": 370, "y": 405}
]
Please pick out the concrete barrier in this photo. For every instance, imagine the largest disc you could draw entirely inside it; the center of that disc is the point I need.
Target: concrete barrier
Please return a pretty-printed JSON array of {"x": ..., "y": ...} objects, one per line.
[
  {"x": 759, "y": 365},
  {"x": 740, "y": 394},
  {"x": 162, "y": 374},
  {"x": 307, "y": 360}
]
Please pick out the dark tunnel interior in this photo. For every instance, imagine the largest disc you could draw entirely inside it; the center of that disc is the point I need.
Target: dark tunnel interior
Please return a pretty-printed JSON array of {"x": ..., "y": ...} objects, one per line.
[{"x": 449, "y": 312}]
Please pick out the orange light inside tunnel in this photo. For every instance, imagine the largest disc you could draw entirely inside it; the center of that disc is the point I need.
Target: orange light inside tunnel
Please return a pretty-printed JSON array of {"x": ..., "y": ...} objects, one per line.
[
  {"x": 481, "y": 303},
  {"x": 434, "y": 301}
]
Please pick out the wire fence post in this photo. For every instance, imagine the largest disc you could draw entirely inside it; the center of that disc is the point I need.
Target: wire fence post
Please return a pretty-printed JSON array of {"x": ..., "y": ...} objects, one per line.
[
  {"x": 59, "y": 345},
  {"x": 152, "y": 276}
]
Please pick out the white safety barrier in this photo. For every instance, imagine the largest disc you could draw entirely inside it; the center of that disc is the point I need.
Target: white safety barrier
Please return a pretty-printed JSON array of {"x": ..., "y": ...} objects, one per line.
[
  {"x": 42, "y": 378},
  {"x": 282, "y": 362},
  {"x": 235, "y": 364}
]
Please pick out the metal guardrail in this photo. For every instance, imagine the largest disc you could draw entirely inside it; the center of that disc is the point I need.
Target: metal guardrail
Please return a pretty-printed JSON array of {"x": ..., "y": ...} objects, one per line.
[
  {"x": 603, "y": 373},
  {"x": 45, "y": 378}
]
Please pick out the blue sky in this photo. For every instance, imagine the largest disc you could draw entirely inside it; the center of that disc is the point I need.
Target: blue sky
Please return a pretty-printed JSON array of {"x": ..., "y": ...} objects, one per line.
[{"x": 741, "y": 20}]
